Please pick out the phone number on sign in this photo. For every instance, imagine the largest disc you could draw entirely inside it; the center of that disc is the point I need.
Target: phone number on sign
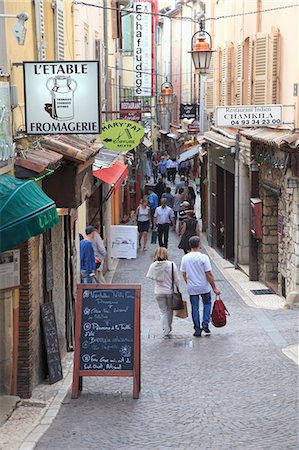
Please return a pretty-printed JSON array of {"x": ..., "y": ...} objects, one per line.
[{"x": 255, "y": 122}]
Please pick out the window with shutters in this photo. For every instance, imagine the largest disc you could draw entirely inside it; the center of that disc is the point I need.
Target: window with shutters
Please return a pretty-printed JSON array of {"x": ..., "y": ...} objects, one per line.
[
  {"x": 40, "y": 29},
  {"x": 217, "y": 75},
  {"x": 260, "y": 68},
  {"x": 239, "y": 74},
  {"x": 247, "y": 71},
  {"x": 127, "y": 33},
  {"x": 210, "y": 87},
  {"x": 266, "y": 68},
  {"x": 226, "y": 75},
  {"x": 59, "y": 29},
  {"x": 275, "y": 62}
]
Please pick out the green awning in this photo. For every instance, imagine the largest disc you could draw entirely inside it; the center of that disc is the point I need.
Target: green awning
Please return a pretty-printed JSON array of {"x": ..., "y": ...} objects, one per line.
[{"x": 25, "y": 211}]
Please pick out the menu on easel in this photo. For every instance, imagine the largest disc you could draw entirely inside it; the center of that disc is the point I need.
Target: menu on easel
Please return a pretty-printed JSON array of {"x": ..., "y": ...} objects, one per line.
[{"x": 107, "y": 341}]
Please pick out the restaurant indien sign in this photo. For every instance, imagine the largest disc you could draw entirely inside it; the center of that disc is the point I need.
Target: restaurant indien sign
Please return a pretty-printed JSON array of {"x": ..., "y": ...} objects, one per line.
[{"x": 248, "y": 116}]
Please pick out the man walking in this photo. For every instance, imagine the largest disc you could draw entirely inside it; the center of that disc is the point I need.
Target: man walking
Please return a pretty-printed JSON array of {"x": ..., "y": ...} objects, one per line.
[
  {"x": 197, "y": 273},
  {"x": 87, "y": 258},
  {"x": 163, "y": 219}
]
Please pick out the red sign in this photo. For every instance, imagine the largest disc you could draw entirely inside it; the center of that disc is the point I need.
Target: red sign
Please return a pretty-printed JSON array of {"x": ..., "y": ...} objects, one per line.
[{"x": 130, "y": 111}]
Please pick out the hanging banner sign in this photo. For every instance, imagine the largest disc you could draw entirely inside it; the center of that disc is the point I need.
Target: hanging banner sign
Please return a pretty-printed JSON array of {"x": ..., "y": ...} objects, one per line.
[
  {"x": 61, "y": 97},
  {"x": 188, "y": 111},
  {"x": 143, "y": 48},
  {"x": 121, "y": 135},
  {"x": 130, "y": 111},
  {"x": 248, "y": 116}
]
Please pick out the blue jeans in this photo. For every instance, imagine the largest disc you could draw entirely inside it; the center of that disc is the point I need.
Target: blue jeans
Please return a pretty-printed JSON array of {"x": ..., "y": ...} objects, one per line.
[
  {"x": 85, "y": 279},
  {"x": 206, "y": 300}
]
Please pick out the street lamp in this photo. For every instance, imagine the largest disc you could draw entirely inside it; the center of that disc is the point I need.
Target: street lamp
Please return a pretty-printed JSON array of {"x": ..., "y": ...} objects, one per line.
[
  {"x": 167, "y": 95},
  {"x": 201, "y": 50}
]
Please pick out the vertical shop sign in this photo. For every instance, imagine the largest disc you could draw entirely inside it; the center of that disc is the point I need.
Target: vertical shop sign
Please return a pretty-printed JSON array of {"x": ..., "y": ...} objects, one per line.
[{"x": 143, "y": 49}]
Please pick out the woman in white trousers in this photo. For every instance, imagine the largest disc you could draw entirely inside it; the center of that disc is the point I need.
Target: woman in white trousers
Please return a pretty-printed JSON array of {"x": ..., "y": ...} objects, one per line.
[{"x": 161, "y": 272}]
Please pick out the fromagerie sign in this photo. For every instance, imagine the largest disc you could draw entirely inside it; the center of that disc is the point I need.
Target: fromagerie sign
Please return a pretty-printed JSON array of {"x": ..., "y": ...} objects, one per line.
[{"x": 61, "y": 97}]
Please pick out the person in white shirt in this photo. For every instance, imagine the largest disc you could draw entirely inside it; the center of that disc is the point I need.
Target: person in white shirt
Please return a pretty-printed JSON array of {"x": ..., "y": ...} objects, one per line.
[
  {"x": 197, "y": 273},
  {"x": 161, "y": 272},
  {"x": 163, "y": 218}
]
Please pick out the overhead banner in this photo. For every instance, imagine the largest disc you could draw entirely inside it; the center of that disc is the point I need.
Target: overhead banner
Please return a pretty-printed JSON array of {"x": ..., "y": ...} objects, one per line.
[
  {"x": 248, "y": 116},
  {"x": 142, "y": 49},
  {"x": 61, "y": 97},
  {"x": 121, "y": 135}
]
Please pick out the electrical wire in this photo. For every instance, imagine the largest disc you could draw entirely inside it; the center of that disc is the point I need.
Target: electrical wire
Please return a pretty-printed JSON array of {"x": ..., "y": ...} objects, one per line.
[{"x": 189, "y": 19}]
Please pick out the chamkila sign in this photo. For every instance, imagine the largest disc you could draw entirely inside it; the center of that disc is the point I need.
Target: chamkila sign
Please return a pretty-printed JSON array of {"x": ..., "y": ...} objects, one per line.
[
  {"x": 61, "y": 97},
  {"x": 121, "y": 135}
]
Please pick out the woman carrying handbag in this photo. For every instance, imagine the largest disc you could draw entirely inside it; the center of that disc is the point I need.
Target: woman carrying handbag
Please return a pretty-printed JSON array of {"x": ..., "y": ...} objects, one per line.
[{"x": 162, "y": 271}]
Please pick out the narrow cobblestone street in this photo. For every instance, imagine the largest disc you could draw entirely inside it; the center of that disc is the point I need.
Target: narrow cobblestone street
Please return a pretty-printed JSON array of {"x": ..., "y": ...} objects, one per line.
[{"x": 232, "y": 390}]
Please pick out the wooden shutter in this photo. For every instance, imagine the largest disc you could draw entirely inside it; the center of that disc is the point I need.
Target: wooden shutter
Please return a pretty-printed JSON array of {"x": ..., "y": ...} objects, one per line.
[
  {"x": 239, "y": 74},
  {"x": 260, "y": 69},
  {"x": 226, "y": 80},
  {"x": 210, "y": 87},
  {"x": 59, "y": 29},
  {"x": 274, "y": 67},
  {"x": 217, "y": 75},
  {"x": 249, "y": 72},
  {"x": 40, "y": 29}
]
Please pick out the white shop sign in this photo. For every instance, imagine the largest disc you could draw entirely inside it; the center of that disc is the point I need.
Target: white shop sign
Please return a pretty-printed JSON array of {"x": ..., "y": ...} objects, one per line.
[
  {"x": 143, "y": 49},
  {"x": 124, "y": 241},
  {"x": 249, "y": 116},
  {"x": 61, "y": 97}
]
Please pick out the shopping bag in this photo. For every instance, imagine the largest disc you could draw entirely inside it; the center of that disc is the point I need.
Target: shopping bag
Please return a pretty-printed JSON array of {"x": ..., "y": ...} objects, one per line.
[
  {"x": 182, "y": 313},
  {"x": 154, "y": 237}
]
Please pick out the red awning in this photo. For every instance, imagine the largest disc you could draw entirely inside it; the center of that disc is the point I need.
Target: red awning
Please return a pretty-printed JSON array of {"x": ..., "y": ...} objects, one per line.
[{"x": 113, "y": 175}]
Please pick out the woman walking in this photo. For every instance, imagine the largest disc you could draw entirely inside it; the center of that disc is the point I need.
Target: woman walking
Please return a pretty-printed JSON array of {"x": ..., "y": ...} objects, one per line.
[
  {"x": 190, "y": 228},
  {"x": 142, "y": 217},
  {"x": 178, "y": 199},
  {"x": 161, "y": 271}
]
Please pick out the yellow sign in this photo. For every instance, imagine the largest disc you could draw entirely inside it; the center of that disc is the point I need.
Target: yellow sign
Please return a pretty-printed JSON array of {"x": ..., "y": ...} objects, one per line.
[{"x": 121, "y": 135}]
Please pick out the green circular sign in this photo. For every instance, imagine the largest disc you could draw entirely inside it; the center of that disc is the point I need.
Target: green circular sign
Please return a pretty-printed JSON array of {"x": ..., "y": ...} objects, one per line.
[{"x": 121, "y": 135}]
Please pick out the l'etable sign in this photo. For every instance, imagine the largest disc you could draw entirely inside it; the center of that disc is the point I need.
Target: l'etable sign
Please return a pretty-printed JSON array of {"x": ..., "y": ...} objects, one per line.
[
  {"x": 61, "y": 97},
  {"x": 121, "y": 135},
  {"x": 143, "y": 48},
  {"x": 248, "y": 116}
]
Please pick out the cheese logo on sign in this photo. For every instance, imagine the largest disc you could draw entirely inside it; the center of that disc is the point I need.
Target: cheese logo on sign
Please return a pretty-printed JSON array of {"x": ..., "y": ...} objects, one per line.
[{"x": 121, "y": 135}]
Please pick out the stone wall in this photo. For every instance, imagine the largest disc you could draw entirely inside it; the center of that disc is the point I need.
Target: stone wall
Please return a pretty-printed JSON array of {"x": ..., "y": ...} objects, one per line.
[
  {"x": 269, "y": 245},
  {"x": 289, "y": 240}
]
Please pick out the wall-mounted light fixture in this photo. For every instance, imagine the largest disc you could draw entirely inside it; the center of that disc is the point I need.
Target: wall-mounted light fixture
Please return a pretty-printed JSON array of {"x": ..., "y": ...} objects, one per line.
[{"x": 19, "y": 28}]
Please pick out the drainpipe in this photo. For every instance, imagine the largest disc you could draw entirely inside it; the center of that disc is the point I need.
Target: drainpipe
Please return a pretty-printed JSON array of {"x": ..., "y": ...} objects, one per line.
[{"x": 237, "y": 201}]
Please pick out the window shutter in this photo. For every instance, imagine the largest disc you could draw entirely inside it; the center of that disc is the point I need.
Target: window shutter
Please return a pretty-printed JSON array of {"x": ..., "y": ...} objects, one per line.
[
  {"x": 59, "y": 29},
  {"x": 274, "y": 70},
  {"x": 226, "y": 80},
  {"x": 40, "y": 29},
  {"x": 217, "y": 75},
  {"x": 210, "y": 87},
  {"x": 250, "y": 70},
  {"x": 260, "y": 69},
  {"x": 239, "y": 74}
]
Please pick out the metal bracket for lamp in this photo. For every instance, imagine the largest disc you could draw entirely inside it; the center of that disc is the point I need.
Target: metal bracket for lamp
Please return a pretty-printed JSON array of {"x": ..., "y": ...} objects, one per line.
[{"x": 109, "y": 193}]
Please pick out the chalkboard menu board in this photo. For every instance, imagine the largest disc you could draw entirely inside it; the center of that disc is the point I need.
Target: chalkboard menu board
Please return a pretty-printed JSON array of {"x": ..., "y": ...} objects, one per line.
[
  {"x": 107, "y": 341},
  {"x": 51, "y": 342}
]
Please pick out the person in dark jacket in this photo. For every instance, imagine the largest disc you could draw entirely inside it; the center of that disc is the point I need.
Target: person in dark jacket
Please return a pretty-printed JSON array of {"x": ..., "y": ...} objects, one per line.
[
  {"x": 190, "y": 228},
  {"x": 87, "y": 257},
  {"x": 160, "y": 188},
  {"x": 169, "y": 197}
]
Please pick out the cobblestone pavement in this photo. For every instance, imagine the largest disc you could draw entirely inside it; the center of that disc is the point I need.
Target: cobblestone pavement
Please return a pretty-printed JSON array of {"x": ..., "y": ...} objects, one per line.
[{"x": 232, "y": 390}]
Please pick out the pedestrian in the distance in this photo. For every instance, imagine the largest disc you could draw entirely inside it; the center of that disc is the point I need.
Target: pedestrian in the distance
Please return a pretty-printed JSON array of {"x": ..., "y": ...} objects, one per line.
[
  {"x": 163, "y": 168},
  {"x": 163, "y": 219},
  {"x": 168, "y": 168},
  {"x": 169, "y": 197},
  {"x": 173, "y": 166},
  {"x": 142, "y": 218},
  {"x": 191, "y": 197},
  {"x": 155, "y": 166},
  {"x": 152, "y": 203},
  {"x": 197, "y": 273},
  {"x": 178, "y": 199},
  {"x": 161, "y": 272},
  {"x": 182, "y": 215},
  {"x": 190, "y": 228},
  {"x": 99, "y": 253},
  {"x": 87, "y": 257},
  {"x": 160, "y": 188}
]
